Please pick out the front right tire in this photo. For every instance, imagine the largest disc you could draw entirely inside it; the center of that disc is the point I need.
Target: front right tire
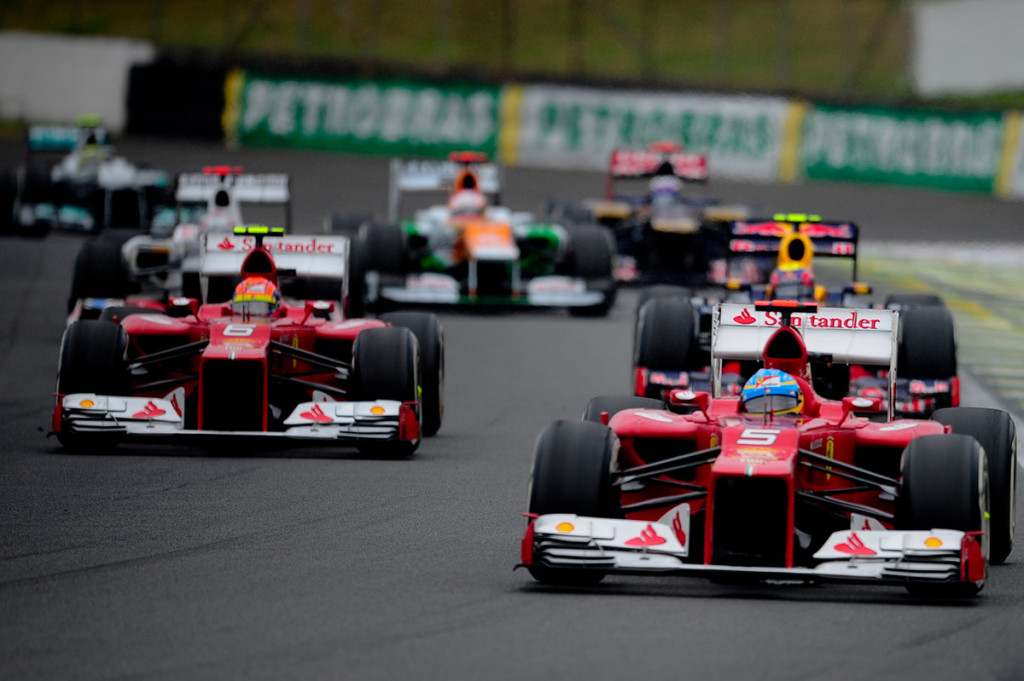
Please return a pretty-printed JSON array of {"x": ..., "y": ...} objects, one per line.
[{"x": 572, "y": 474}]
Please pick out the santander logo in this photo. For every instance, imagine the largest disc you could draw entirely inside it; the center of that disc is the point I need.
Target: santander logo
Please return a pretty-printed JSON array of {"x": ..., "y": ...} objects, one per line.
[
  {"x": 854, "y": 546},
  {"x": 316, "y": 414},
  {"x": 151, "y": 411},
  {"x": 744, "y": 317},
  {"x": 225, "y": 245},
  {"x": 648, "y": 537}
]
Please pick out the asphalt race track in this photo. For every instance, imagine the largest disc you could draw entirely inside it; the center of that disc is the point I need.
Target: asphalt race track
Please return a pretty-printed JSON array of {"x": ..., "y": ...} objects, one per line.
[{"x": 177, "y": 563}]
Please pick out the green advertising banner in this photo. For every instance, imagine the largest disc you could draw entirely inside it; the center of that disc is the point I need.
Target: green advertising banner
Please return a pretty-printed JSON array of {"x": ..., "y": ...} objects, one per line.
[
  {"x": 578, "y": 127},
  {"x": 394, "y": 117},
  {"x": 929, "y": 149}
]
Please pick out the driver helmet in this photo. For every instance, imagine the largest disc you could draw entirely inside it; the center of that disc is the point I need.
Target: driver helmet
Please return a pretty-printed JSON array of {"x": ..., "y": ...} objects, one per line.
[
  {"x": 665, "y": 184},
  {"x": 467, "y": 204},
  {"x": 792, "y": 284},
  {"x": 771, "y": 391},
  {"x": 256, "y": 297}
]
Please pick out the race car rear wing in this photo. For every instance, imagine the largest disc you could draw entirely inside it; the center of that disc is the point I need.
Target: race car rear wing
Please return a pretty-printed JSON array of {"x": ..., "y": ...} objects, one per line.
[
  {"x": 641, "y": 164},
  {"x": 437, "y": 176},
  {"x": 62, "y": 138},
  {"x": 246, "y": 187},
  {"x": 304, "y": 256},
  {"x": 837, "y": 334},
  {"x": 764, "y": 236}
]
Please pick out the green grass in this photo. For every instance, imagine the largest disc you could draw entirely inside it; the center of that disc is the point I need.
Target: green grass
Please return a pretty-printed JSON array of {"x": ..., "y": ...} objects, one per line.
[{"x": 845, "y": 49}]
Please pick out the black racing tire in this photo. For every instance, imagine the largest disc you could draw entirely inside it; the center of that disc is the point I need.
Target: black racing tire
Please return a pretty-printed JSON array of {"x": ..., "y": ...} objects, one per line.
[
  {"x": 430, "y": 336},
  {"x": 355, "y": 296},
  {"x": 613, "y": 404},
  {"x": 666, "y": 335},
  {"x": 996, "y": 433},
  {"x": 572, "y": 474},
  {"x": 320, "y": 289},
  {"x": 661, "y": 291},
  {"x": 117, "y": 313},
  {"x": 346, "y": 224},
  {"x": 92, "y": 360},
  {"x": 384, "y": 248},
  {"x": 99, "y": 272},
  {"x": 927, "y": 344},
  {"x": 910, "y": 300},
  {"x": 943, "y": 485},
  {"x": 37, "y": 185},
  {"x": 385, "y": 366},
  {"x": 8, "y": 195},
  {"x": 592, "y": 250},
  {"x": 569, "y": 213}
]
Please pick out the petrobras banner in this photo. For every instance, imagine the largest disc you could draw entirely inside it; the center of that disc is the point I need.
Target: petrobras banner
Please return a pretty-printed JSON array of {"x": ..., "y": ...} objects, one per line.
[
  {"x": 400, "y": 117},
  {"x": 928, "y": 149},
  {"x": 577, "y": 128}
]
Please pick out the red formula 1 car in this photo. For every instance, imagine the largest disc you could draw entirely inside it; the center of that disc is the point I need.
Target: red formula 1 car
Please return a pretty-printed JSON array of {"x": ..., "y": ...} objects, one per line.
[
  {"x": 256, "y": 365},
  {"x": 776, "y": 483}
]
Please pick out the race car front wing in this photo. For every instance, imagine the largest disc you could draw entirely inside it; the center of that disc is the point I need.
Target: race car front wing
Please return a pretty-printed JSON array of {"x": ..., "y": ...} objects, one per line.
[
  {"x": 88, "y": 413},
  {"x": 571, "y": 542}
]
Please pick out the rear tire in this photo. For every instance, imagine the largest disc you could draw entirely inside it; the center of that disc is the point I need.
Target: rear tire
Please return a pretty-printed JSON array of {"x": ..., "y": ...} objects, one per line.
[
  {"x": 995, "y": 432},
  {"x": 593, "y": 250},
  {"x": 666, "y": 336},
  {"x": 92, "y": 360},
  {"x": 927, "y": 344},
  {"x": 346, "y": 225},
  {"x": 572, "y": 474},
  {"x": 430, "y": 337},
  {"x": 661, "y": 291},
  {"x": 909, "y": 300},
  {"x": 943, "y": 485},
  {"x": 8, "y": 194},
  {"x": 99, "y": 272},
  {"x": 385, "y": 366}
]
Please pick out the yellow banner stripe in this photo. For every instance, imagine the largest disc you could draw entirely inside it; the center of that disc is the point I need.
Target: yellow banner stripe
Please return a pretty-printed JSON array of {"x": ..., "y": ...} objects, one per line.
[
  {"x": 233, "y": 86},
  {"x": 1008, "y": 156},
  {"x": 792, "y": 132},
  {"x": 509, "y": 123}
]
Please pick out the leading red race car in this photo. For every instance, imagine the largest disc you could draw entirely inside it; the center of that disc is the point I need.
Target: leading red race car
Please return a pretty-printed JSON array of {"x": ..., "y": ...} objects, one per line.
[
  {"x": 257, "y": 365},
  {"x": 776, "y": 483}
]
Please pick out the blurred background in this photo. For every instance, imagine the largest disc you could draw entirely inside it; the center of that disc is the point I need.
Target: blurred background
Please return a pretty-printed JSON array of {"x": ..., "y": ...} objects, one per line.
[{"x": 859, "y": 50}]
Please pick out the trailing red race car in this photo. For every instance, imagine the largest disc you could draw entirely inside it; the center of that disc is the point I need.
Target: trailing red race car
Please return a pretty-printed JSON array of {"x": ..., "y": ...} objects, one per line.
[
  {"x": 256, "y": 365},
  {"x": 672, "y": 334},
  {"x": 778, "y": 482}
]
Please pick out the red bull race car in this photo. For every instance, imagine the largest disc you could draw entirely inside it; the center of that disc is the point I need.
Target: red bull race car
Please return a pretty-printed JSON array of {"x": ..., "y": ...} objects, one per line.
[
  {"x": 777, "y": 482},
  {"x": 673, "y": 327},
  {"x": 258, "y": 364}
]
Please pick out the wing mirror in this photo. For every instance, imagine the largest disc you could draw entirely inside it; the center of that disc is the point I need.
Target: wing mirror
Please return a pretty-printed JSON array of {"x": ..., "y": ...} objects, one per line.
[
  {"x": 183, "y": 307},
  {"x": 318, "y": 308},
  {"x": 689, "y": 398},
  {"x": 858, "y": 403}
]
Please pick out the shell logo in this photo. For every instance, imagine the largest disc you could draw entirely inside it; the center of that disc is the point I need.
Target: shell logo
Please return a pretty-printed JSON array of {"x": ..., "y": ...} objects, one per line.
[
  {"x": 565, "y": 527},
  {"x": 933, "y": 542}
]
